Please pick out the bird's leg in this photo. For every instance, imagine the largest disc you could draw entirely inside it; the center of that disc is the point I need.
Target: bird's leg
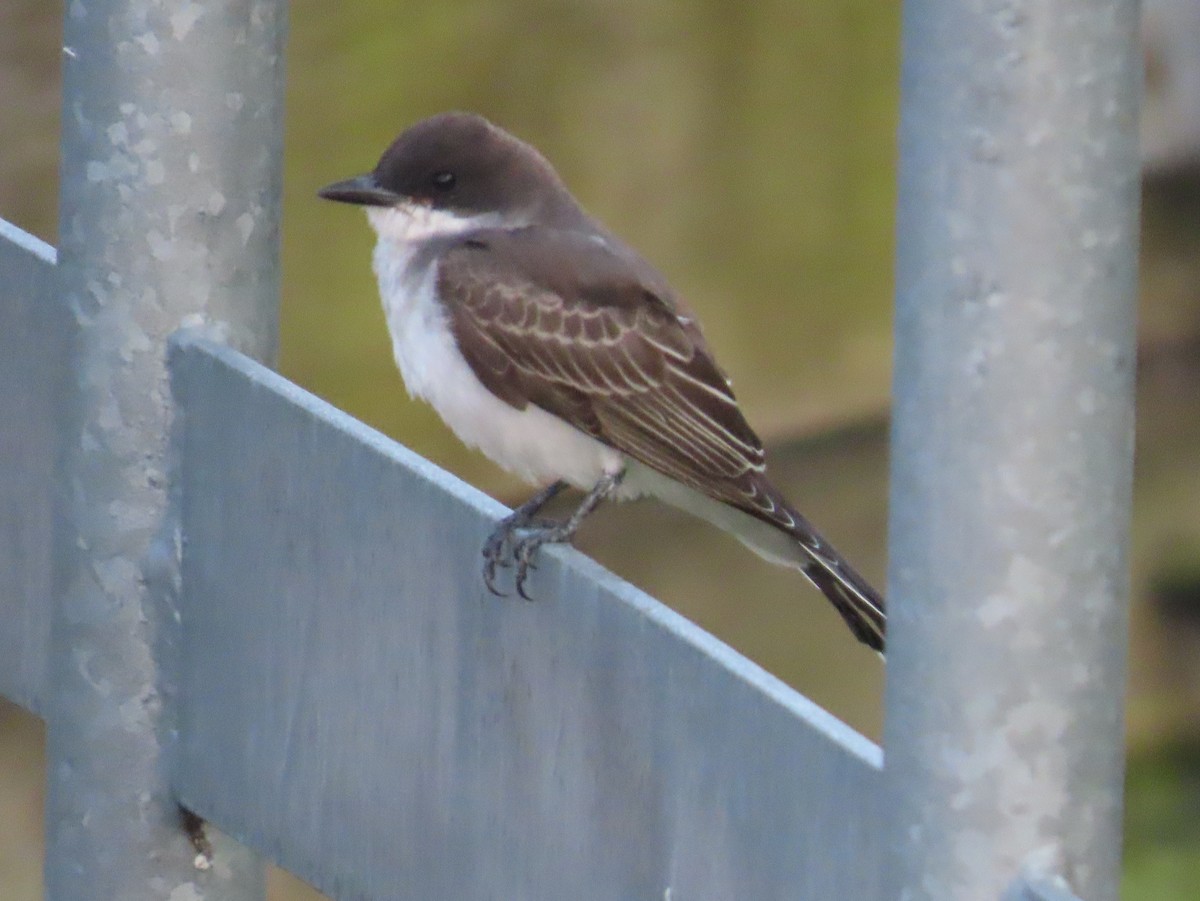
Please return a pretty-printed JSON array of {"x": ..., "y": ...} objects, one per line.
[
  {"x": 525, "y": 547},
  {"x": 494, "y": 549}
]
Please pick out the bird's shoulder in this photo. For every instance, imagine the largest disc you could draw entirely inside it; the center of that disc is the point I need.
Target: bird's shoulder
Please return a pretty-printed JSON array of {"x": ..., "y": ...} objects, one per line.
[{"x": 564, "y": 266}]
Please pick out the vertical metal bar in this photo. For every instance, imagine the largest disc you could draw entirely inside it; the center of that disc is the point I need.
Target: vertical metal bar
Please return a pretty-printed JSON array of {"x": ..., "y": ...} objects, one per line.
[
  {"x": 1013, "y": 440},
  {"x": 169, "y": 215}
]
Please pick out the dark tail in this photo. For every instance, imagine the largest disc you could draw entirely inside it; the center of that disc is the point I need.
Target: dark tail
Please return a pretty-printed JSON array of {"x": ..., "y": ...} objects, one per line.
[
  {"x": 793, "y": 542},
  {"x": 860, "y": 605}
]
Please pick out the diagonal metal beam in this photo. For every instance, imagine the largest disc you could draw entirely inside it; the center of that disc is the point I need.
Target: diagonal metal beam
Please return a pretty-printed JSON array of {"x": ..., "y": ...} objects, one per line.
[
  {"x": 35, "y": 339},
  {"x": 355, "y": 704}
]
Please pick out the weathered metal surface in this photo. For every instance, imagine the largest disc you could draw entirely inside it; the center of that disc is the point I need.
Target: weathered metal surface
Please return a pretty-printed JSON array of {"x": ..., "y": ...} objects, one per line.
[
  {"x": 1040, "y": 890},
  {"x": 34, "y": 343},
  {"x": 169, "y": 214},
  {"x": 1012, "y": 445},
  {"x": 355, "y": 703}
]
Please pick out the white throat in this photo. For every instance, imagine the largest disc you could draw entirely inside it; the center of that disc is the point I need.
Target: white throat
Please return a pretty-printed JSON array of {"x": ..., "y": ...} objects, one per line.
[
  {"x": 410, "y": 223},
  {"x": 405, "y": 276}
]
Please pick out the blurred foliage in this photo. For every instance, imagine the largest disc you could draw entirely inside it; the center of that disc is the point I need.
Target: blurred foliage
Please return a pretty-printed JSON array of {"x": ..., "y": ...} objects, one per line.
[{"x": 1162, "y": 824}]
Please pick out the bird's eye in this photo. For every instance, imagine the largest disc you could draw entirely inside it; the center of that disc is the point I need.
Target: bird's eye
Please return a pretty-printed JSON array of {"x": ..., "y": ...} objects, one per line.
[{"x": 443, "y": 180}]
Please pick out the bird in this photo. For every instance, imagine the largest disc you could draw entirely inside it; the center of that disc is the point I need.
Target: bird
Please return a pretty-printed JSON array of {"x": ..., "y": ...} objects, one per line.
[{"x": 546, "y": 342}]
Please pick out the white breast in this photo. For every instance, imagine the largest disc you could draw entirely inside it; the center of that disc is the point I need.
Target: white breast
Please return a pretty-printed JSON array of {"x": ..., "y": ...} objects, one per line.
[{"x": 529, "y": 443}]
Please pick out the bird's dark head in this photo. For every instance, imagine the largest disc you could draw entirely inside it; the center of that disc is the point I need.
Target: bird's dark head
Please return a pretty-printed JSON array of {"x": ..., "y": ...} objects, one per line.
[{"x": 464, "y": 165}]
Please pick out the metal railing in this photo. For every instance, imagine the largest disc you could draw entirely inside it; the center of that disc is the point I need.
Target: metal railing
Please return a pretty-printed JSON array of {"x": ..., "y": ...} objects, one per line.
[{"x": 249, "y": 603}]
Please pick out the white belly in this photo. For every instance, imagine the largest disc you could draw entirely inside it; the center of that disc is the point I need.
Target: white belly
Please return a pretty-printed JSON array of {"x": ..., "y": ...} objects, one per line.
[{"x": 529, "y": 443}]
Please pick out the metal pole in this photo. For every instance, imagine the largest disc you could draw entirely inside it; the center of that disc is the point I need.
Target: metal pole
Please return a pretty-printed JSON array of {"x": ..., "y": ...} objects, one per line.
[
  {"x": 1013, "y": 441},
  {"x": 169, "y": 215}
]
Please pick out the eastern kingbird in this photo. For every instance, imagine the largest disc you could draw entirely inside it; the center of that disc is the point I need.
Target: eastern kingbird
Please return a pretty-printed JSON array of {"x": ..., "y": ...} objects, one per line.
[{"x": 544, "y": 341}]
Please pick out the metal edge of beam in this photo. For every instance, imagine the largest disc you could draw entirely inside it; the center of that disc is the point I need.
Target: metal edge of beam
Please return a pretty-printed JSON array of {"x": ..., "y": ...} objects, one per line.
[
  {"x": 35, "y": 336},
  {"x": 355, "y": 705}
]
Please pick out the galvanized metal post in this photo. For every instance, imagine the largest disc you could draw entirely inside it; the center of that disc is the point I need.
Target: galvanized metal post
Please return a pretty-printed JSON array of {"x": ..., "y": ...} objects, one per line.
[
  {"x": 169, "y": 215},
  {"x": 1013, "y": 443}
]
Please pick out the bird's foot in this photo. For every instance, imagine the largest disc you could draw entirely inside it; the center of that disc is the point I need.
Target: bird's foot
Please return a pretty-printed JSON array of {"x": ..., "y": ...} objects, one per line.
[
  {"x": 499, "y": 551},
  {"x": 505, "y": 545},
  {"x": 527, "y": 545},
  {"x": 500, "y": 548}
]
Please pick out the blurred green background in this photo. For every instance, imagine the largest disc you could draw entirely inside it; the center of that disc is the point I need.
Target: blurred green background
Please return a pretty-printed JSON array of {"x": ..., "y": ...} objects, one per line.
[{"x": 748, "y": 150}]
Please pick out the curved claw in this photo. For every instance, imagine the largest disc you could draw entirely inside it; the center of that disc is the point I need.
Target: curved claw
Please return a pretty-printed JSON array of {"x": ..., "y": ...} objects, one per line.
[
  {"x": 523, "y": 553},
  {"x": 521, "y": 574},
  {"x": 525, "y": 549},
  {"x": 489, "y": 578},
  {"x": 494, "y": 551}
]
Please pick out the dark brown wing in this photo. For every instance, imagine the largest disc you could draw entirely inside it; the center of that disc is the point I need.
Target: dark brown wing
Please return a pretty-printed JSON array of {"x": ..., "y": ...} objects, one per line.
[{"x": 560, "y": 320}]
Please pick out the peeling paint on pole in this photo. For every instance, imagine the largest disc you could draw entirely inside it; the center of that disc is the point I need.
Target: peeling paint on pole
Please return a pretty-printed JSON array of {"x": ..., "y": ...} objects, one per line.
[
  {"x": 1012, "y": 446},
  {"x": 169, "y": 215}
]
